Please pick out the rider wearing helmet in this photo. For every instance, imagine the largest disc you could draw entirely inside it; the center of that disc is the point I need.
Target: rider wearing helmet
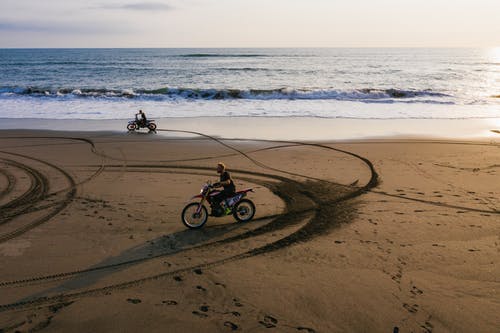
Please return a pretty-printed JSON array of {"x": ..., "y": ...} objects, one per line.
[{"x": 227, "y": 183}]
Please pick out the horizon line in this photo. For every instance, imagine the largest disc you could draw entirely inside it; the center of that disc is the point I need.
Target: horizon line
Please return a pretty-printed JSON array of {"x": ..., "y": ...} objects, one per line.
[{"x": 250, "y": 47}]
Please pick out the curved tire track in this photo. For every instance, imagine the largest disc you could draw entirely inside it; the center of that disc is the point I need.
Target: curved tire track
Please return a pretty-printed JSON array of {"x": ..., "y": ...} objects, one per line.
[
  {"x": 27, "y": 203},
  {"x": 11, "y": 183},
  {"x": 39, "y": 190}
]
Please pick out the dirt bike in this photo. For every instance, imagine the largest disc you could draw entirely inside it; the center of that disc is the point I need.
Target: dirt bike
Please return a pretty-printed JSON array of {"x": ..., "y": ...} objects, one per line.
[
  {"x": 134, "y": 125},
  {"x": 195, "y": 214}
]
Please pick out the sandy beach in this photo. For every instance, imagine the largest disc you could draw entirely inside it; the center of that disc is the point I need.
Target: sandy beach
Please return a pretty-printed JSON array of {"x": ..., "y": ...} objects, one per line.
[{"x": 380, "y": 235}]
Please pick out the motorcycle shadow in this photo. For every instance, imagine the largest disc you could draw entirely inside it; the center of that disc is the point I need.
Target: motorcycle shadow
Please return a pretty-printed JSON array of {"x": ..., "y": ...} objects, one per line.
[
  {"x": 136, "y": 132},
  {"x": 161, "y": 247}
]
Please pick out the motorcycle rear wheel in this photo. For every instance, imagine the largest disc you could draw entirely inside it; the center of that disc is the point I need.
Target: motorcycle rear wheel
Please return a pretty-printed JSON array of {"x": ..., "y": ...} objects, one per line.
[
  {"x": 194, "y": 220},
  {"x": 244, "y": 210}
]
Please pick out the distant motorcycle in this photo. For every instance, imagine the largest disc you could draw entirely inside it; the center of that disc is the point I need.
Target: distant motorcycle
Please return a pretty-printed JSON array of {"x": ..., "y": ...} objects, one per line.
[
  {"x": 134, "y": 125},
  {"x": 195, "y": 214}
]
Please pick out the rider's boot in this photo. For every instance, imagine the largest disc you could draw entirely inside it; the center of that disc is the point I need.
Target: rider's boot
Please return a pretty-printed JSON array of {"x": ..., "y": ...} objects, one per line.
[{"x": 225, "y": 207}]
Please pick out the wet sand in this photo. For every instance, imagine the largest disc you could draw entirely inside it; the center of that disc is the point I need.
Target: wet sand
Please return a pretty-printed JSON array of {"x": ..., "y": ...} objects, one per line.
[
  {"x": 287, "y": 128},
  {"x": 364, "y": 236}
]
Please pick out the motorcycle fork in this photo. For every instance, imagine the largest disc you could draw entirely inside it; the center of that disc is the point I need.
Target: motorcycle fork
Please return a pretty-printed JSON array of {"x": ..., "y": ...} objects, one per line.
[{"x": 200, "y": 205}]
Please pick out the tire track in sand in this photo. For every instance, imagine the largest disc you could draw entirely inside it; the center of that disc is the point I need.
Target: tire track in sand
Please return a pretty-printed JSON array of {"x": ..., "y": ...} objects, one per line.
[{"x": 316, "y": 226}]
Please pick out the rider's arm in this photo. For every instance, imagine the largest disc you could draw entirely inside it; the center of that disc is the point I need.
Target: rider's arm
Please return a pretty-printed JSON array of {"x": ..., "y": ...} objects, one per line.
[{"x": 222, "y": 183}]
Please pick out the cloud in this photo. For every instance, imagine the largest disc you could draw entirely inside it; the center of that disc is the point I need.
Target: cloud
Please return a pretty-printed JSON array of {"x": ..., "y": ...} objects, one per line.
[
  {"x": 145, "y": 6},
  {"x": 57, "y": 27}
]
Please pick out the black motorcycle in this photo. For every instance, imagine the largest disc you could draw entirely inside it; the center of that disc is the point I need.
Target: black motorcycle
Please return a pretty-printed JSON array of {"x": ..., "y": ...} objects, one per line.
[{"x": 135, "y": 125}]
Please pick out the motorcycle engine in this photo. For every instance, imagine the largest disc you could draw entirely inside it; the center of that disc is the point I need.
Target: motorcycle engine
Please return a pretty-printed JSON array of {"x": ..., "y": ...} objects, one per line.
[{"x": 217, "y": 211}]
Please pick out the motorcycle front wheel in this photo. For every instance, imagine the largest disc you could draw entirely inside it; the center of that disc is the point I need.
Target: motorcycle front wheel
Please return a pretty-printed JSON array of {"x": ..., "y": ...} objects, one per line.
[
  {"x": 191, "y": 218},
  {"x": 244, "y": 210},
  {"x": 131, "y": 127}
]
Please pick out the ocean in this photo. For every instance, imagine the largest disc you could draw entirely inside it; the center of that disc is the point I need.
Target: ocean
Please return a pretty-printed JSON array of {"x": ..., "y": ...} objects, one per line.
[{"x": 354, "y": 83}]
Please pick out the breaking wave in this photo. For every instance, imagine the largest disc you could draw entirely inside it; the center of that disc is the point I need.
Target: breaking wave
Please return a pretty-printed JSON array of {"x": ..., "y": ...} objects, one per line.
[
  {"x": 363, "y": 95},
  {"x": 220, "y": 55}
]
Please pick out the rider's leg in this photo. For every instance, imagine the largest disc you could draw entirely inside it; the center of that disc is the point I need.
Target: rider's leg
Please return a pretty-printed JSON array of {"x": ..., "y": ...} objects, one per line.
[{"x": 225, "y": 206}]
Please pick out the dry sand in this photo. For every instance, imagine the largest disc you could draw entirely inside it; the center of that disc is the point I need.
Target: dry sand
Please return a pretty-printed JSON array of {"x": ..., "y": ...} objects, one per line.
[{"x": 369, "y": 236}]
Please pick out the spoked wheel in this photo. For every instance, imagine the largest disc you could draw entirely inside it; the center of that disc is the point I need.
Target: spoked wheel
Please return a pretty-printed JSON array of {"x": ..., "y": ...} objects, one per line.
[
  {"x": 244, "y": 210},
  {"x": 131, "y": 127},
  {"x": 152, "y": 126},
  {"x": 191, "y": 218}
]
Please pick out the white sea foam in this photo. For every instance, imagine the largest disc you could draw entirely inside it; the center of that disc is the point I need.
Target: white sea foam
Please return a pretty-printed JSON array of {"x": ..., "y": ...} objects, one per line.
[{"x": 112, "y": 109}]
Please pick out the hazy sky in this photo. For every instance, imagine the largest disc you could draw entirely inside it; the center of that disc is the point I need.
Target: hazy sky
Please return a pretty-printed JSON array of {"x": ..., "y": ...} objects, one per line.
[{"x": 249, "y": 23}]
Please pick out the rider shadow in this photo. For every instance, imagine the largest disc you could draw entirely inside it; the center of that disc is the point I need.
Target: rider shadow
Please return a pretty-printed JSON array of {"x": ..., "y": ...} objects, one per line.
[{"x": 160, "y": 247}]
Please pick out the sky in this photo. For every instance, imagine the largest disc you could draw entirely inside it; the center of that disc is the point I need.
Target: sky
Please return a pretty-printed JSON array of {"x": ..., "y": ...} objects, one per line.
[{"x": 249, "y": 23}]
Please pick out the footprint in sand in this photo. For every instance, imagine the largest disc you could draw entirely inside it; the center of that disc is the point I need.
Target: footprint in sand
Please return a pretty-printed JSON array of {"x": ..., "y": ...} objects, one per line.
[
  {"x": 411, "y": 308},
  {"x": 427, "y": 327},
  {"x": 231, "y": 325},
  {"x": 415, "y": 291},
  {"x": 177, "y": 278},
  {"x": 134, "y": 300},
  {"x": 169, "y": 302},
  {"x": 397, "y": 277},
  {"x": 201, "y": 288},
  {"x": 198, "y": 271},
  {"x": 269, "y": 322},
  {"x": 199, "y": 314},
  {"x": 306, "y": 329}
]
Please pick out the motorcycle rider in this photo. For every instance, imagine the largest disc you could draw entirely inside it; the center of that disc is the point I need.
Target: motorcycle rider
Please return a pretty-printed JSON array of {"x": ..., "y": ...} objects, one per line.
[
  {"x": 229, "y": 188},
  {"x": 142, "y": 120}
]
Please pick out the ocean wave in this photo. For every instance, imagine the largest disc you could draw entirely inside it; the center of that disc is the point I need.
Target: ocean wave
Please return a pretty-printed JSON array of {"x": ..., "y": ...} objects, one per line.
[
  {"x": 220, "y": 55},
  {"x": 366, "y": 95},
  {"x": 250, "y": 69}
]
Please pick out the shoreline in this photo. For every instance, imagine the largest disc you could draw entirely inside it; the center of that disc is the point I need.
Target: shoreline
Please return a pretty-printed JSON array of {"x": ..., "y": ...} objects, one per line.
[{"x": 286, "y": 129}]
